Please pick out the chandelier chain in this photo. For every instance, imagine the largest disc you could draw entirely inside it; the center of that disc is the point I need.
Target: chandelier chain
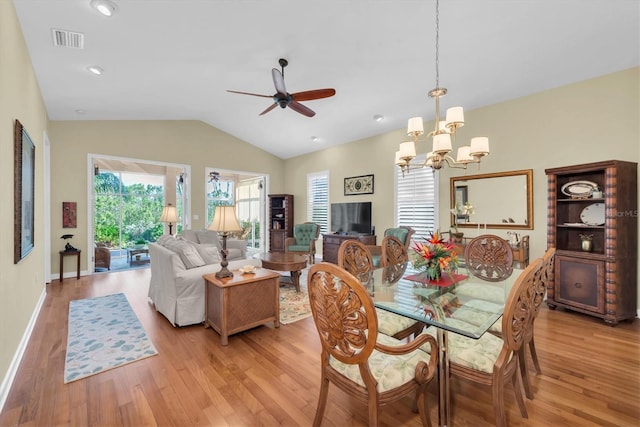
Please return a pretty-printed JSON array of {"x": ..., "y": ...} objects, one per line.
[{"x": 437, "y": 44}]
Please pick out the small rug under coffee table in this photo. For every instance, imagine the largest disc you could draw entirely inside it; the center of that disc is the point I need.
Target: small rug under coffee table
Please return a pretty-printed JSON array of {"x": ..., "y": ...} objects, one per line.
[{"x": 294, "y": 305}]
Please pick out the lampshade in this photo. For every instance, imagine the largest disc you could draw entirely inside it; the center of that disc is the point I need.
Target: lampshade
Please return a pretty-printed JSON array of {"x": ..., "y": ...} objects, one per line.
[
  {"x": 399, "y": 160},
  {"x": 463, "y": 155},
  {"x": 455, "y": 115},
  {"x": 415, "y": 126},
  {"x": 441, "y": 143},
  {"x": 225, "y": 219},
  {"x": 479, "y": 146},
  {"x": 407, "y": 150},
  {"x": 169, "y": 214}
]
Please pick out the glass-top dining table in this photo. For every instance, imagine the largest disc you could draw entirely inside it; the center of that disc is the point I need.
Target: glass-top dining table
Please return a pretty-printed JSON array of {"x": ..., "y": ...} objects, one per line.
[{"x": 458, "y": 303}]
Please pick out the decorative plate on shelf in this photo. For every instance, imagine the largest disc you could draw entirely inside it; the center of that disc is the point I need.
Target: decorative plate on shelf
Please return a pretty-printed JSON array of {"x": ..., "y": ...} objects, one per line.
[
  {"x": 593, "y": 214},
  {"x": 579, "y": 189}
]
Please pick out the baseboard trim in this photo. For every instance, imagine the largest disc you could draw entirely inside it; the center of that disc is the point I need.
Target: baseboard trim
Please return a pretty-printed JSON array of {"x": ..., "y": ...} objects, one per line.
[{"x": 7, "y": 381}]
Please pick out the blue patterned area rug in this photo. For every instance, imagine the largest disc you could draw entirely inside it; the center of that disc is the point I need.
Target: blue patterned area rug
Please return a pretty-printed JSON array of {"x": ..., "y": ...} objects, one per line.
[{"x": 104, "y": 333}]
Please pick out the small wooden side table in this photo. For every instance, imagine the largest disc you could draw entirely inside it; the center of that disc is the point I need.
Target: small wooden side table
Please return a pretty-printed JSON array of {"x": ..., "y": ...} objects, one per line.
[
  {"x": 69, "y": 253},
  {"x": 244, "y": 301}
]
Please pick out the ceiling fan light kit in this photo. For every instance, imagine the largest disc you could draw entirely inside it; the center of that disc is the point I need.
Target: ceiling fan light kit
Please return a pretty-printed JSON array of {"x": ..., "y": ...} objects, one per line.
[
  {"x": 285, "y": 99},
  {"x": 443, "y": 134}
]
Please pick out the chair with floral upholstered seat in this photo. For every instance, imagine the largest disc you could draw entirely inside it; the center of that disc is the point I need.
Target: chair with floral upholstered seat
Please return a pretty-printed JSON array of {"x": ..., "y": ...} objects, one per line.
[
  {"x": 489, "y": 257},
  {"x": 355, "y": 257},
  {"x": 492, "y": 360},
  {"x": 372, "y": 367},
  {"x": 402, "y": 233}
]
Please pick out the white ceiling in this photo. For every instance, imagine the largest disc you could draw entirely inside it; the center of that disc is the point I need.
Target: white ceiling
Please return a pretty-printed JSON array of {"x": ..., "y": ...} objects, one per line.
[{"x": 175, "y": 59}]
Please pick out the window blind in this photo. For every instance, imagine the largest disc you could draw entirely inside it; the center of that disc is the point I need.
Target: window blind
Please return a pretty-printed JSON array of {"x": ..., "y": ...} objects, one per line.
[
  {"x": 318, "y": 199},
  {"x": 417, "y": 200}
]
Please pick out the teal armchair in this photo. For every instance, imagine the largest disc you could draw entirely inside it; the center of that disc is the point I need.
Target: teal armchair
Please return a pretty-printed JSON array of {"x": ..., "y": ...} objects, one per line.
[
  {"x": 304, "y": 240},
  {"x": 402, "y": 233}
]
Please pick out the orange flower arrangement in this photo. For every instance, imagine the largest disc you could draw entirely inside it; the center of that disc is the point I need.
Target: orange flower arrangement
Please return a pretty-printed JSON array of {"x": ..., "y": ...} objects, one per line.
[{"x": 434, "y": 256}]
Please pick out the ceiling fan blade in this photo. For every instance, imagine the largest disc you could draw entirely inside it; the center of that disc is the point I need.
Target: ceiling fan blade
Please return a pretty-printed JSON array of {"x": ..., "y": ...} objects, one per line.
[
  {"x": 310, "y": 95},
  {"x": 278, "y": 81},
  {"x": 253, "y": 94},
  {"x": 271, "y": 107},
  {"x": 296, "y": 106}
]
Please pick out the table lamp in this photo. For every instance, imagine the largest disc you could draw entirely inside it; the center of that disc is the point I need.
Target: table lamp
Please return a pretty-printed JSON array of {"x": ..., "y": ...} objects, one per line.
[
  {"x": 223, "y": 222},
  {"x": 169, "y": 215}
]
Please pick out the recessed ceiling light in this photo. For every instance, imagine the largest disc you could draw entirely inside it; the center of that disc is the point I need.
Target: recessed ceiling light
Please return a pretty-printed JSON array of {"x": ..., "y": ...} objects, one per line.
[
  {"x": 378, "y": 118},
  {"x": 315, "y": 139},
  {"x": 95, "y": 69},
  {"x": 105, "y": 7}
]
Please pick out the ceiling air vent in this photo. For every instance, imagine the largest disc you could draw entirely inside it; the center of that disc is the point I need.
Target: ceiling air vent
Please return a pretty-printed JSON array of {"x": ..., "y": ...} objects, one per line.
[{"x": 65, "y": 38}]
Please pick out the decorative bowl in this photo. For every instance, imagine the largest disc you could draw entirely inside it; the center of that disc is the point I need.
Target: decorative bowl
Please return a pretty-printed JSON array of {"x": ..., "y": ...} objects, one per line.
[{"x": 248, "y": 269}]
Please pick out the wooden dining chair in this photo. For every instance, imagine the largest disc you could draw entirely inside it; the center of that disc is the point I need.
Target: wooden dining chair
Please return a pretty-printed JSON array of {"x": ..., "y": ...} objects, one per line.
[
  {"x": 541, "y": 281},
  {"x": 354, "y": 257},
  {"x": 489, "y": 257},
  {"x": 393, "y": 251},
  {"x": 374, "y": 368},
  {"x": 491, "y": 360}
]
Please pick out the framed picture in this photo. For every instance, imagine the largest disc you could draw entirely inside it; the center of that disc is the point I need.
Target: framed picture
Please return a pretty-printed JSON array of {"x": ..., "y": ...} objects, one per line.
[
  {"x": 358, "y": 185},
  {"x": 23, "y": 195},
  {"x": 69, "y": 214}
]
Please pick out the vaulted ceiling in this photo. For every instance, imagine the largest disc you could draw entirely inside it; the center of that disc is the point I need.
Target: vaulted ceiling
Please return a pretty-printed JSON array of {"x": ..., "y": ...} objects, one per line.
[{"x": 176, "y": 59}]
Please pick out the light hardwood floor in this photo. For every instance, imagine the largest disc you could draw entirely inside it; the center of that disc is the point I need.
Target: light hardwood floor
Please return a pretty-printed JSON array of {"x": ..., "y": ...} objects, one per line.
[{"x": 268, "y": 376}]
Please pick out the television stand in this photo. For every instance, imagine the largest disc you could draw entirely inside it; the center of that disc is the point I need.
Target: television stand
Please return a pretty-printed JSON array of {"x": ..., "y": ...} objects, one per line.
[{"x": 331, "y": 243}]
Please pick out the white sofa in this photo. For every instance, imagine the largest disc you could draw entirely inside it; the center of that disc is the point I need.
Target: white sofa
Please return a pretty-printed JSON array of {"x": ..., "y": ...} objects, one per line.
[{"x": 176, "y": 287}]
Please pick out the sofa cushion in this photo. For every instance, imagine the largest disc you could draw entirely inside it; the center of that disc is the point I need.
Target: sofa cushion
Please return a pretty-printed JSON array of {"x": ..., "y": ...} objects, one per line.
[
  {"x": 187, "y": 252},
  {"x": 190, "y": 235},
  {"x": 209, "y": 253},
  {"x": 209, "y": 237}
]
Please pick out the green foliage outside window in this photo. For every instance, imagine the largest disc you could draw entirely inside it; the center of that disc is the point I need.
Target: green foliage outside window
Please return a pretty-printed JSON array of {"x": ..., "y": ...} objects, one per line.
[{"x": 125, "y": 214}]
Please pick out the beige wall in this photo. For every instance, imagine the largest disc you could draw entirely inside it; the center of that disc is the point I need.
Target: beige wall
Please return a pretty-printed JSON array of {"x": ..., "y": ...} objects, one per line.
[
  {"x": 594, "y": 120},
  {"x": 22, "y": 284},
  {"x": 180, "y": 142},
  {"x": 589, "y": 121}
]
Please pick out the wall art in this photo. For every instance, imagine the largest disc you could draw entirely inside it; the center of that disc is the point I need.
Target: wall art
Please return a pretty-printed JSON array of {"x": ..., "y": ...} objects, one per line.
[
  {"x": 23, "y": 192},
  {"x": 358, "y": 185},
  {"x": 69, "y": 214}
]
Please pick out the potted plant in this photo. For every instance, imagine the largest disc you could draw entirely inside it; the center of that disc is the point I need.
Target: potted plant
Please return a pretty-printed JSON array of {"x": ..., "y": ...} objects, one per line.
[{"x": 139, "y": 243}]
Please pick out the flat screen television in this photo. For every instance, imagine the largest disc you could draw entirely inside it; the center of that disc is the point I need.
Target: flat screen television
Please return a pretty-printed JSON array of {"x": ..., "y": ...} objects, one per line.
[{"x": 351, "y": 218}]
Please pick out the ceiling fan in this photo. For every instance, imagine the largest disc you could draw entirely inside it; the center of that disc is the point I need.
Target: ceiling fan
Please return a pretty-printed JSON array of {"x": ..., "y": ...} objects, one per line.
[{"x": 292, "y": 100}]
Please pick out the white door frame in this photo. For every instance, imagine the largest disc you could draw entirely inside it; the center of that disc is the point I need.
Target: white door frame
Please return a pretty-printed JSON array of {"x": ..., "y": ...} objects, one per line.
[{"x": 91, "y": 158}]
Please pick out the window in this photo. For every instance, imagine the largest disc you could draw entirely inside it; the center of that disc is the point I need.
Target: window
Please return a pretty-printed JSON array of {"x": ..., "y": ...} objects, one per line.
[
  {"x": 248, "y": 209},
  {"x": 417, "y": 200},
  {"x": 318, "y": 200},
  {"x": 220, "y": 192},
  {"x": 127, "y": 207}
]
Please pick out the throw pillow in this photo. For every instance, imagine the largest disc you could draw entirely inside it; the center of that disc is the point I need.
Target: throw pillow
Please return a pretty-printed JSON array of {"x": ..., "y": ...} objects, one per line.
[
  {"x": 209, "y": 253},
  {"x": 189, "y": 235},
  {"x": 209, "y": 237},
  {"x": 163, "y": 239},
  {"x": 187, "y": 252}
]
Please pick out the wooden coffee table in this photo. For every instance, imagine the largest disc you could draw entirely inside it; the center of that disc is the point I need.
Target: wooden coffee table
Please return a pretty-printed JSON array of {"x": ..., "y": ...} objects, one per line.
[{"x": 285, "y": 261}]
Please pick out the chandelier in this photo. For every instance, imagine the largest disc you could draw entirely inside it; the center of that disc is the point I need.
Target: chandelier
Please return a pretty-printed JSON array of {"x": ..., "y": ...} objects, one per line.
[{"x": 443, "y": 134}]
